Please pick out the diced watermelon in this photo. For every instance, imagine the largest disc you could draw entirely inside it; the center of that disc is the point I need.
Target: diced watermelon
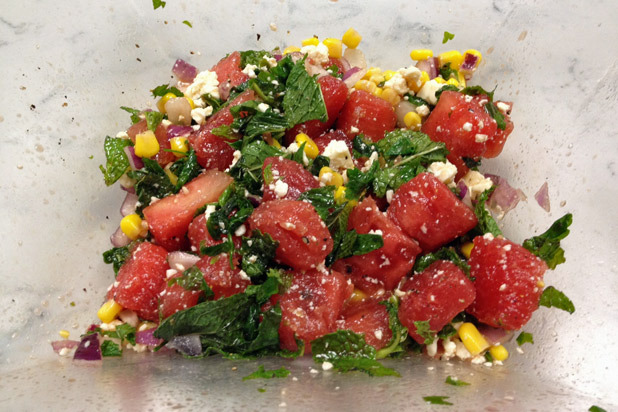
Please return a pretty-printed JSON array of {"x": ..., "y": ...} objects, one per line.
[
  {"x": 367, "y": 114},
  {"x": 229, "y": 71},
  {"x": 163, "y": 157},
  {"x": 436, "y": 295},
  {"x": 222, "y": 279},
  {"x": 296, "y": 177},
  {"x": 508, "y": 282},
  {"x": 369, "y": 318},
  {"x": 175, "y": 298}
]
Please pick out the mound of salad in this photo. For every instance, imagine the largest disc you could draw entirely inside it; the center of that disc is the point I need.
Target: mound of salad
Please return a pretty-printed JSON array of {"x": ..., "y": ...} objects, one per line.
[{"x": 294, "y": 202}]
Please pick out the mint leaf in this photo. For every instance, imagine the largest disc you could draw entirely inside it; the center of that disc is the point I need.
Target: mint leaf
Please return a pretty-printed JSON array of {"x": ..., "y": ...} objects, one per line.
[
  {"x": 158, "y": 3},
  {"x": 424, "y": 331},
  {"x": 496, "y": 114},
  {"x": 153, "y": 119},
  {"x": 400, "y": 332},
  {"x": 186, "y": 169},
  {"x": 303, "y": 98},
  {"x": 353, "y": 244},
  {"x": 547, "y": 245},
  {"x": 255, "y": 57},
  {"x": 262, "y": 373},
  {"x": 486, "y": 222},
  {"x": 134, "y": 113},
  {"x": 446, "y": 72},
  {"x": 151, "y": 182},
  {"x": 164, "y": 89},
  {"x": 232, "y": 211},
  {"x": 117, "y": 160},
  {"x": 455, "y": 382},
  {"x": 258, "y": 253},
  {"x": 445, "y": 253},
  {"x": 595, "y": 408},
  {"x": 524, "y": 337},
  {"x": 116, "y": 256},
  {"x": 248, "y": 169},
  {"x": 437, "y": 400},
  {"x": 124, "y": 332},
  {"x": 188, "y": 23},
  {"x": 447, "y": 36},
  {"x": 411, "y": 145},
  {"x": 553, "y": 298},
  {"x": 109, "y": 348},
  {"x": 348, "y": 351},
  {"x": 192, "y": 279}
]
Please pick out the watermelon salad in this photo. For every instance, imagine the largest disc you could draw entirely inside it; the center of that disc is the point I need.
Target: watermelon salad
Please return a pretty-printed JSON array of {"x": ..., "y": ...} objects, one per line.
[{"x": 298, "y": 202}]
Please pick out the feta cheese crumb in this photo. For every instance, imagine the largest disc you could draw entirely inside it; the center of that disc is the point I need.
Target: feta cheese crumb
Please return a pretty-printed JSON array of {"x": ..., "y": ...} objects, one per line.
[
  {"x": 432, "y": 348},
  {"x": 242, "y": 229},
  {"x": 444, "y": 171},
  {"x": 327, "y": 366},
  {"x": 389, "y": 195},
  {"x": 369, "y": 162},
  {"x": 480, "y": 138},
  {"x": 205, "y": 82},
  {"x": 339, "y": 154},
  {"x": 249, "y": 70},
  {"x": 378, "y": 334},
  {"x": 397, "y": 83},
  {"x": 318, "y": 54},
  {"x": 262, "y": 107},
  {"x": 199, "y": 114},
  {"x": 428, "y": 91},
  {"x": 476, "y": 183},
  {"x": 170, "y": 272},
  {"x": 281, "y": 188},
  {"x": 243, "y": 275},
  {"x": 467, "y": 126},
  {"x": 422, "y": 110},
  {"x": 313, "y": 370},
  {"x": 503, "y": 107},
  {"x": 353, "y": 129}
]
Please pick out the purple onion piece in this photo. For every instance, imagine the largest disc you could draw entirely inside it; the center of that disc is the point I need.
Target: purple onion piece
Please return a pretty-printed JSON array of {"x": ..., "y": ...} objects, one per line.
[
  {"x": 189, "y": 345},
  {"x": 495, "y": 336},
  {"x": 134, "y": 160},
  {"x": 128, "y": 189},
  {"x": 469, "y": 63},
  {"x": 351, "y": 80},
  {"x": 278, "y": 56},
  {"x": 430, "y": 66},
  {"x": 89, "y": 348},
  {"x": 542, "y": 197},
  {"x": 181, "y": 260},
  {"x": 184, "y": 71},
  {"x": 350, "y": 72},
  {"x": 175, "y": 130},
  {"x": 346, "y": 65},
  {"x": 224, "y": 90},
  {"x": 129, "y": 204},
  {"x": 119, "y": 239},
  {"x": 58, "y": 345},
  {"x": 504, "y": 197},
  {"x": 463, "y": 189},
  {"x": 146, "y": 337}
]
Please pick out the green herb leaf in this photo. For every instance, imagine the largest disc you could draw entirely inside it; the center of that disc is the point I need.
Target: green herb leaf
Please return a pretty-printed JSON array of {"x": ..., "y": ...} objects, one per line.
[
  {"x": 412, "y": 145},
  {"x": 262, "y": 373},
  {"x": 124, "y": 332},
  {"x": 158, "y": 3},
  {"x": 417, "y": 101},
  {"x": 192, "y": 279},
  {"x": 153, "y": 119},
  {"x": 258, "y": 254},
  {"x": 447, "y": 72},
  {"x": 248, "y": 169},
  {"x": 496, "y": 115},
  {"x": 400, "y": 332},
  {"x": 525, "y": 337},
  {"x": 363, "y": 147},
  {"x": 478, "y": 90},
  {"x": 303, "y": 98},
  {"x": 486, "y": 223},
  {"x": 134, "y": 113},
  {"x": 437, "y": 400},
  {"x": 257, "y": 58},
  {"x": 188, "y": 23},
  {"x": 186, "y": 169},
  {"x": 358, "y": 181},
  {"x": 445, "y": 253},
  {"x": 348, "y": 351},
  {"x": 151, "y": 181},
  {"x": 233, "y": 210},
  {"x": 547, "y": 245},
  {"x": 322, "y": 199},
  {"x": 446, "y": 88},
  {"x": 116, "y": 256},
  {"x": 109, "y": 348},
  {"x": 117, "y": 160},
  {"x": 353, "y": 244},
  {"x": 552, "y": 297},
  {"x": 164, "y": 89},
  {"x": 424, "y": 331},
  {"x": 595, "y": 408},
  {"x": 455, "y": 382},
  {"x": 447, "y": 36}
]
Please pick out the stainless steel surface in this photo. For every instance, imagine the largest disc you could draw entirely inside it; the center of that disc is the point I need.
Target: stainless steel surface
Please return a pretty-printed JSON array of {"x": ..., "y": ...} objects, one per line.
[{"x": 66, "y": 68}]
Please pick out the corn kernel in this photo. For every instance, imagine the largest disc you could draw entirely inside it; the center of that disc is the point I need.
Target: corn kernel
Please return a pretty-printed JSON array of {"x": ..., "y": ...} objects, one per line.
[
  {"x": 109, "y": 311},
  {"x": 340, "y": 195},
  {"x": 179, "y": 144},
  {"x": 351, "y": 38},
  {"x": 391, "y": 96},
  {"x": 453, "y": 57},
  {"x": 377, "y": 78},
  {"x": 64, "y": 334},
  {"x": 540, "y": 284},
  {"x": 499, "y": 353},
  {"x": 291, "y": 49},
  {"x": 466, "y": 249},
  {"x": 372, "y": 71},
  {"x": 358, "y": 296},
  {"x": 365, "y": 85},
  {"x": 163, "y": 100},
  {"x": 131, "y": 225},
  {"x": 472, "y": 339},
  {"x": 452, "y": 82},
  {"x": 439, "y": 80},
  {"x": 421, "y": 54},
  {"x": 168, "y": 171},
  {"x": 416, "y": 86},
  {"x": 191, "y": 102},
  {"x": 146, "y": 144},
  {"x": 378, "y": 92},
  {"x": 388, "y": 74},
  {"x": 335, "y": 48},
  {"x": 462, "y": 79},
  {"x": 412, "y": 120},
  {"x": 275, "y": 143},
  {"x": 311, "y": 149},
  {"x": 311, "y": 41},
  {"x": 329, "y": 177}
]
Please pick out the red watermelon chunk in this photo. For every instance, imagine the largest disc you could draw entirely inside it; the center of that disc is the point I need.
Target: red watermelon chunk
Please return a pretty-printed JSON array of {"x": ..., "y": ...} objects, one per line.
[
  {"x": 426, "y": 210},
  {"x": 222, "y": 279},
  {"x": 367, "y": 114},
  {"x": 369, "y": 318},
  {"x": 229, "y": 72},
  {"x": 436, "y": 295},
  {"x": 175, "y": 298},
  {"x": 296, "y": 177},
  {"x": 508, "y": 282}
]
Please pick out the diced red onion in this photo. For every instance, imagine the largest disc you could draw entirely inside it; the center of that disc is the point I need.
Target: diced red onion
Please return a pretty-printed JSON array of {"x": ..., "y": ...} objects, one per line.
[
  {"x": 430, "y": 66},
  {"x": 504, "y": 197},
  {"x": 146, "y": 337},
  {"x": 189, "y": 345},
  {"x": 129, "y": 205},
  {"x": 178, "y": 111},
  {"x": 119, "y": 239},
  {"x": 355, "y": 58},
  {"x": 463, "y": 189},
  {"x": 350, "y": 72},
  {"x": 542, "y": 197},
  {"x": 89, "y": 348},
  {"x": 134, "y": 161},
  {"x": 175, "y": 130},
  {"x": 469, "y": 63},
  {"x": 278, "y": 56},
  {"x": 495, "y": 336},
  {"x": 351, "y": 80},
  {"x": 224, "y": 90},
  {"x": 345, "y": 64},
  {"x": 128, "y": 189},
  {"x": 58, "y": 345},
  {"x": 403, "y": 107},
  {"x": 128, "y": 316},
  {"x": 184, "y": 71},
  {"x": 181, "y": 260}
]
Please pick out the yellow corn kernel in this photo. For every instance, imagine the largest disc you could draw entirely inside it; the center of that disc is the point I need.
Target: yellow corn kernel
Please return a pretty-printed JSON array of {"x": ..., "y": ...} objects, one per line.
[
  {"x": 453, "y": 57},
  {"x": 372, "y": 71},
  {"x": 335, "y": 47},
  {"x": 499, "y": 353},
  {"x": 358, "y": 296},
  {"x": 146, "y": 144},
  {"x": 412, "y": 120},
  {"x": 440, "y": 80},
  {"x": 540, "y": 283},
  {"x": 391, "y": 96},
  {"x": 311, "y": 149},
  {"x": 168, "y": 171},
  {"x": 472, "y": 338},
  {"x": 191, "y": 102},
  {"x": 421, "y": 54},
  {"x": 365, "y": 85},
  {"x": 475, "y": 53},
  {"x": 131, "y": 225},
  {"x": 416, "y": 86},
  {"x": 378, "y": 92},
  {"x": 388, "y": 74},
  {"x": 64, "y": 334},
  {"x": 163, "y": 100},
  {"x": 377, "y": 78},
  {"x": 291, "y": 49},
  {"x": 340, "y": 195},
  {"x": 351, "y": 38},
  {"x": 329, "y": 177},
  {"x": 179, "y": 144},
  {"x": 109, "y": 311},
  {"x": 466, "y": 249},
  {"x": 311, "y": 41},
  {"x": 452, "y": 82},
  {"x": 462, "y": 79},
  {"x": 275, "y": 143}
]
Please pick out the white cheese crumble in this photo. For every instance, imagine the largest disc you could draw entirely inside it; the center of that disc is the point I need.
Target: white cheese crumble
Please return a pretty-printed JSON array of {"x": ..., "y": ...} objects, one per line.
[
  {"x": 281, "y": 188},
  {"x": 378, "y": 334},
  {"x": 422, "y": 110},
  {"x": 467, "y": 126},
  {"x": 432, "y": 348},
  {"x": 369, "y": 162},
  {"x": 199, "y": 114},
  {"x": 389, "y": 195},
  {"x": 444, "y": 171},
  {"x": 243, "y": 275},
  {"x": 237, "y": 155},
  {"x": 339, "y": 154},
  {"x": 242, "y": 229},
  {"x": 503, "y": 107},
  {"x": 397, "y": 83},
  {"x": 476, "y": 183},
  {"x": 262, "y": 107},
  {"x": 411, "y": 74},
  {"x": 428, "y": 91},
  {"x": 327, "y": 366},
  {"x": 205, "y": 82},
  {"x": 122, "y": 135},
  {"x": 480, "y": 138},
  {"x": 353, "y": 129},
  {"x": 318, "y": 54},
  {"x": 249, "y": 70}
]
